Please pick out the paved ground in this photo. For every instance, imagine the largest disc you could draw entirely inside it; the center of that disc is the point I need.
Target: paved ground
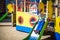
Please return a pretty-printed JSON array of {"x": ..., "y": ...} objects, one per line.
[{"x": 10, "y": 33}]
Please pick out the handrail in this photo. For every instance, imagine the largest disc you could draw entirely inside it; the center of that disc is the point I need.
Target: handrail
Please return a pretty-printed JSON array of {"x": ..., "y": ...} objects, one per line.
[{"x": 1, "y": 18}]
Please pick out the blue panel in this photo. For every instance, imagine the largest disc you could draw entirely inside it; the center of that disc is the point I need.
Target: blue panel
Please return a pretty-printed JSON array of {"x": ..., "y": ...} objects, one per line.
[
  {"x": 23, "y": 29},
  {"x": 57, "y": 36},
  {"x": 40, "y": 25}
]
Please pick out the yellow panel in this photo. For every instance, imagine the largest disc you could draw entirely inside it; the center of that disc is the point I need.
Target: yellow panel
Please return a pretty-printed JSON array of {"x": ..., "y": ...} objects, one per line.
[
  {"x": 41, "y": 7},
  {"x": 57, "y": 26},
  {"x": 50, "y": 9},
  {"x": 26, "y": 18}
]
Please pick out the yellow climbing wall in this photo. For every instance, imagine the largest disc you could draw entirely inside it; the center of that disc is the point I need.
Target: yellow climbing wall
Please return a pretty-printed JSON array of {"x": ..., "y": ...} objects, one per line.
[
  {"x": 41, "y": 7},
  {"x": 57, "y": 25},
  {"x": 50, "y": 9}
]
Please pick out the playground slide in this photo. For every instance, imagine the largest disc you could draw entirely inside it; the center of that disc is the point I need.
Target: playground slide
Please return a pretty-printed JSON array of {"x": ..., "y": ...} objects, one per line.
[
  {"x": 37, "y": 36},
  {"x": 2, "y": 18}
]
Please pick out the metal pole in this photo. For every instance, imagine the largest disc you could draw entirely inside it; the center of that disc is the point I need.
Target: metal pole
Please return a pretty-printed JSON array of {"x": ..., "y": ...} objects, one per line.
[
  {"x": 40, "y": 0},
  {"x": 56, "y": 8},
  {"x": 16, "y": 6},
  {"x": 46, "y": 12},
  {"x": 24, "y": 5}
]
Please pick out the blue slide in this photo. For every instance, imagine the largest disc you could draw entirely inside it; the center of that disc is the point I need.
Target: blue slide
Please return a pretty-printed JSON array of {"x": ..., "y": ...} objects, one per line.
[{"x": 40, "y": 26}]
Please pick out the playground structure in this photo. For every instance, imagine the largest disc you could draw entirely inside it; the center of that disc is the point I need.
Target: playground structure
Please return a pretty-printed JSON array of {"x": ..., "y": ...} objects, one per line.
[
  {"x": 34, "y": 33},
  {"x": 27, "y": 15},
  {"x": 31, "y": 9},
  {"x": 38, "y": 28}
]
